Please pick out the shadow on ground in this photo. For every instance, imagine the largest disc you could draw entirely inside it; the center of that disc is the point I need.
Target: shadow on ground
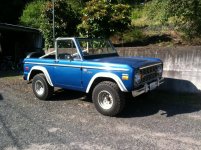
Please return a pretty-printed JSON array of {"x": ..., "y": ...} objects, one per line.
[
  {"x": 64, "y": 95},
  {"x": 145, "y": 105},
  {"x": 166, "y": 99},
  {"x": 174, "y": 97},
  {"x": 181, "y": 85},
  {"x": 1, "y": 97},
  {"x": 169, "y": 103},
  {"x": 9, "y": 73}
]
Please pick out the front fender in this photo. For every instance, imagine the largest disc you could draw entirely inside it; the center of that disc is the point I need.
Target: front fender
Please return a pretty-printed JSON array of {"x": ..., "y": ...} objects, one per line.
[{"x": 107, "y": 75}]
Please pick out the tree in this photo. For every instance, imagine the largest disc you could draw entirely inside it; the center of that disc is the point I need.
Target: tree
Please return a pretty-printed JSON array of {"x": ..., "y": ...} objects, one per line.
[
  {"x": 31, "y": 15},
  {"x": 77, "y": 5},
  {"x": 102, "y": 19},
  {"x": 66, "y": 20},
  {"x": 38, "y": 14}
]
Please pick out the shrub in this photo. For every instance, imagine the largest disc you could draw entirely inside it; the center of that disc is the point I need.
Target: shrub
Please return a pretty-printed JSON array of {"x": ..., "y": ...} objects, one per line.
[
  {"x": 187, "y": 16},
  {"x": 156, "y": 11},
  {"x": 31, "y": 15},
  {"x": 134, "y": 34}
]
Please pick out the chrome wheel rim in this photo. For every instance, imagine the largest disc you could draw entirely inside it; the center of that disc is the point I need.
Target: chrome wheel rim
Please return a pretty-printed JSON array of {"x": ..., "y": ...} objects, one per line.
[
  {"x": 105, "y": 100},
  {"x": 39, "y": 87}
]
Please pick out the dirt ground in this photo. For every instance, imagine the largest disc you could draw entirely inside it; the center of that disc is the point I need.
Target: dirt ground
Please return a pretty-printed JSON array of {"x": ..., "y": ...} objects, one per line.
[{"x": 69, "y": 120}]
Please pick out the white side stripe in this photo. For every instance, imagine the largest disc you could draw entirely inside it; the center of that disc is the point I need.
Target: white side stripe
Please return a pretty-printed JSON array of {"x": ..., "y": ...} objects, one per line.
[{"x": 79, "y": 66}]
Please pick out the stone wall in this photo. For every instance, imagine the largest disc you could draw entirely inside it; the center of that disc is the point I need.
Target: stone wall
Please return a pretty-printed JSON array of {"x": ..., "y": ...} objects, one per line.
[{"x": 182, "y": 65}]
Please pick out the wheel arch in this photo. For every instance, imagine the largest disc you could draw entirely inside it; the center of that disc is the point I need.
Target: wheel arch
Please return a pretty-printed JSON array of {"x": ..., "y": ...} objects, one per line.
[
  {"x": 39, "y": 69},
  {"x": 99, "y": 77}
]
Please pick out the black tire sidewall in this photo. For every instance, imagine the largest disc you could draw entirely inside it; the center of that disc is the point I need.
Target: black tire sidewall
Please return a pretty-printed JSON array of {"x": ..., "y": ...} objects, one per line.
[
  {"x": 115, "y": 93},
  {"x": 41, "y": 78}
]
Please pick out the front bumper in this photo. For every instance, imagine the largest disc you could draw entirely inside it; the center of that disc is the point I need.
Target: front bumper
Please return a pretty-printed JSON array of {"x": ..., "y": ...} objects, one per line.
[{"x": 147, "y": 87}]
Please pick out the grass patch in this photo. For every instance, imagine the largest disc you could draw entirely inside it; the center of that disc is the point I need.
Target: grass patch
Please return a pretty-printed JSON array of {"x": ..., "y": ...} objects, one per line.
[{"x": 151, "y": 21}]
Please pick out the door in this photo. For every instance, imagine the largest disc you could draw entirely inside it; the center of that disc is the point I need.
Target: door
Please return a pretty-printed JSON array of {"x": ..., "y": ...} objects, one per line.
[{"x": 67, "y": 67}]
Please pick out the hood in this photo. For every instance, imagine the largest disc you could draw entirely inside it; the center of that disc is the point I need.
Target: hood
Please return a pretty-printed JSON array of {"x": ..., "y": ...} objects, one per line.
[{"x": 135, "y": 62}]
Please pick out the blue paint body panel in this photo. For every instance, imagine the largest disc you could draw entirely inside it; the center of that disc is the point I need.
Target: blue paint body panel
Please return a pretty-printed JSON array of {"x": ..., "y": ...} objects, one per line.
[{"x": 77, "y": 74}]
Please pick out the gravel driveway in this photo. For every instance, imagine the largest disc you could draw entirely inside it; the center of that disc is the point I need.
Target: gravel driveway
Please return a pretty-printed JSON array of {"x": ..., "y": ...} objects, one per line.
[{"x": 69, "y": 121}]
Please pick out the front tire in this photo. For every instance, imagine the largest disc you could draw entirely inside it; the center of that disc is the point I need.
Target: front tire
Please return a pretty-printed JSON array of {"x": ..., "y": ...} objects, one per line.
[
  {"x": 108, "y": 98},
  {"x": 41, "y": 87}
]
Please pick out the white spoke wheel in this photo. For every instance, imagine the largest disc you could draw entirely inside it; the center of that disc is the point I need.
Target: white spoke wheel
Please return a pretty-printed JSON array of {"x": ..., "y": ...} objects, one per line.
[
  {"x": 108, "y": 98},
  {"x": 105, "y": 99},
  {"x": 41, "y": 87}
]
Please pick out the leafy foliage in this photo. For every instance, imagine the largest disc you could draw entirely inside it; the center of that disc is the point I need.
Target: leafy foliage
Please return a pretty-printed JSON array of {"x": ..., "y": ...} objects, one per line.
[
  {"x": 187, "y": 16},
  {"x": 134, "y": 34},
  {"x": 32, "y": 14},
  {"x": 66, "y": 20},
  {"x": 131, "y": 2},
  {"x": 183, "y": 15},
  {"x": 101, "y": 18},
  {"x": 38, "y": 14},
  {"x": 77, "y": 5},
  {"x": 157, "y": 11}
]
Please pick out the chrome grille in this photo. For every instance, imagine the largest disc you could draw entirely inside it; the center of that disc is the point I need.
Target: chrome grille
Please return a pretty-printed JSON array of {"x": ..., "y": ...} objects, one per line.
[{"x": 149, "y": 73}]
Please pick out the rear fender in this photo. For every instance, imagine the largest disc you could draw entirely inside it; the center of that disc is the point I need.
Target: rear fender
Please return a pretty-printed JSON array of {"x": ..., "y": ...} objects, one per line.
[{"x": 42, "y": 69}]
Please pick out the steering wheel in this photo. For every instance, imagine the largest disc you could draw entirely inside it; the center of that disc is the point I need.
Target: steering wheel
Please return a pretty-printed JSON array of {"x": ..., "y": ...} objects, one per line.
[{"x": 64, "y": 56}]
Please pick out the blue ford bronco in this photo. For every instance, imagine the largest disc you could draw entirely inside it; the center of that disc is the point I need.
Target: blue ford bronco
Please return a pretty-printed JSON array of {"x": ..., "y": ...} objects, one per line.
[{"x": 92, "y": 66}]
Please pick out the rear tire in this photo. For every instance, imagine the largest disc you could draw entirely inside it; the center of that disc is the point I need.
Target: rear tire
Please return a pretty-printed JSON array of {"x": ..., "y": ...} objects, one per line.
[
  {"x": 41, "y": 87},
  {"x": 108, "y": 98}
]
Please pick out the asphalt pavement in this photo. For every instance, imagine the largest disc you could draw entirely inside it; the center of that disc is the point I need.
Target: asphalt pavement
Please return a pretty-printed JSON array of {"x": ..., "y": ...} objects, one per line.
[{"x": 158, "y": 120}]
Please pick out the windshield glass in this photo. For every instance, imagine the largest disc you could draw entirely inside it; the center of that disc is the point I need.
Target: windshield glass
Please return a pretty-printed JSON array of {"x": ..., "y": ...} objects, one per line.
[{"x": 92, "y": 47}]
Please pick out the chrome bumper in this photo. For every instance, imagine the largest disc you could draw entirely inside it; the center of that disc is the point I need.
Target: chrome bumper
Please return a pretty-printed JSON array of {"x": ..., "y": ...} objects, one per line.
[{"x": 146, "y": 88}]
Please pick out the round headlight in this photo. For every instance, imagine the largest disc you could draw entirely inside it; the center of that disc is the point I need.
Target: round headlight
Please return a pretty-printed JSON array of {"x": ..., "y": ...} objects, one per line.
[
  {"x": 137, "y": 78},
  {"x": 160, "y": 70}
]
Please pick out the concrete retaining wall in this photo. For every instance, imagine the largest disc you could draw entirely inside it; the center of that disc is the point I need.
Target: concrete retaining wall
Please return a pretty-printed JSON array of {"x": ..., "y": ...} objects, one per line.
[{"x": 182, "y": 65}]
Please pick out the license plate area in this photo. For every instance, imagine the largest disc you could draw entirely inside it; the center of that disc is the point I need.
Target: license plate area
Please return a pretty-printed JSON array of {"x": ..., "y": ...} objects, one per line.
[{"x": 153, "y": 85}]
